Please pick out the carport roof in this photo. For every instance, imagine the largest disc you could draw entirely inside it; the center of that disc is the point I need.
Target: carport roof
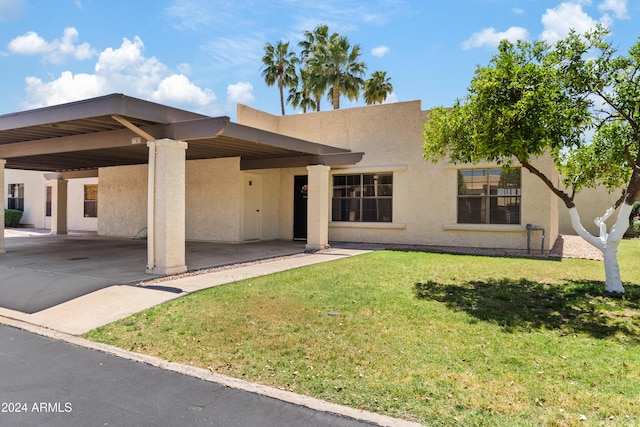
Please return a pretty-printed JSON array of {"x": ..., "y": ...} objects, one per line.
[{"x": 112, "y": 131}]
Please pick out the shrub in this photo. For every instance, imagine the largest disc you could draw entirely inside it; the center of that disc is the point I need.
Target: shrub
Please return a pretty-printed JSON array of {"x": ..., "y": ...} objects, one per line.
[
  {"x": 12, "y": 217},
  {"x": 634, "y": 218}
]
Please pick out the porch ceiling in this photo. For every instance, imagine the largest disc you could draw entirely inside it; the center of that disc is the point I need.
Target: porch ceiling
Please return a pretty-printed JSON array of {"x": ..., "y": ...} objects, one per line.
[{"x": 94, "y": 133}]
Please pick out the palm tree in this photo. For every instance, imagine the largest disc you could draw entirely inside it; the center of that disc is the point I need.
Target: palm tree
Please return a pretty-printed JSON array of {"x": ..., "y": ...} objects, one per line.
[
  {"x": 312, "y": 42},
  {"x": 300, "y": 95},
  {"x": 335, "y": 64},
  {"x": 377, "y": 87},
  {"x": 279, "y": 65},
  {"x": 312, "y": 39}
]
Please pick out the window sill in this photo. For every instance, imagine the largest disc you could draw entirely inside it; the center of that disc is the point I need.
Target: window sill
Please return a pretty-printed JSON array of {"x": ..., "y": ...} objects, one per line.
[
  {"x": 503, "y": 228},
  {"x": 376, "y": 225}
]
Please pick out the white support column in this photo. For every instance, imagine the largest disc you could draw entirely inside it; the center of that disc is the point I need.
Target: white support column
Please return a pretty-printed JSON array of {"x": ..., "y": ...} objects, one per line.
[
  {"x": 59, "y": 206},
  {"x": 318, "y": 208},
  {"x": 2, "y": 197},
  {"x": 166, "y": 207}
]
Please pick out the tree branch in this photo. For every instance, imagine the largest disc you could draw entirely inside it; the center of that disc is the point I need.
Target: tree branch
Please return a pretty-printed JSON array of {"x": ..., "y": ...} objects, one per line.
[
  {"x": 575, "y": 184},
  {"x": 568, "y": 201},
  {"x": 632, "y": 163},
  {"x": 624, "y": 114}
]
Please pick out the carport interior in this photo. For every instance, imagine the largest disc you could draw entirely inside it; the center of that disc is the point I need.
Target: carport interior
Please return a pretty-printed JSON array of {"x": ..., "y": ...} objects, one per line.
[{"x": 74, "y": 140}]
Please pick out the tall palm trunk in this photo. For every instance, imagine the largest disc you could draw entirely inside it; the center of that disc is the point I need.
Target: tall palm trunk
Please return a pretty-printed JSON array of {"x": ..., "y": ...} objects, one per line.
[
  {"x": 336, "y": 97},
  {"x": 281, "y": 87}
]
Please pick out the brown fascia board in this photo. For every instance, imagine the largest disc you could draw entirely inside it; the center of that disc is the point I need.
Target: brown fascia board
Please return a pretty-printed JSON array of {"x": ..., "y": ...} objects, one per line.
[
  {"x": 333, "y": 159},
  {"x": 203, "y": 128},
  {"x": 114, "y": 104}
]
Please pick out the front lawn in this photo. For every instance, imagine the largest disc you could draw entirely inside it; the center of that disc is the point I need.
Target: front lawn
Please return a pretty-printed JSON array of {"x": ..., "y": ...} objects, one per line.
[{"x": 438, "y": 339}]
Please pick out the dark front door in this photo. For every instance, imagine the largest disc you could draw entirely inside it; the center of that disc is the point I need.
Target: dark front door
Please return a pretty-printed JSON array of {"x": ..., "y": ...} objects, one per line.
[{"x": 300, "y": 207}]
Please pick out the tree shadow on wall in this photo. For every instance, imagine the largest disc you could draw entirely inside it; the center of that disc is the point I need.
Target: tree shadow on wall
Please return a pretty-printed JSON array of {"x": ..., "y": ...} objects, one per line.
[{"x": 525, "y": 305}]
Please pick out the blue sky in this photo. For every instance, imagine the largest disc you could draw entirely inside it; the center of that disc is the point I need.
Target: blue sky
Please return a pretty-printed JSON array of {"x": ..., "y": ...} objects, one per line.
[{"x": 204, "y": 55}]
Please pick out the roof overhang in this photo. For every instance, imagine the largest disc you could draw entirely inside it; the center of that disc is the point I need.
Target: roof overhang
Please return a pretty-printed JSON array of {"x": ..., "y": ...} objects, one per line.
[{"x": 112, "y": 131}]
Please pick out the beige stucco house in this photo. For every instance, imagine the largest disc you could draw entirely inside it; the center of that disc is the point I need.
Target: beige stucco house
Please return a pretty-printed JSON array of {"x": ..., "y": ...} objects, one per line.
[{"x": 350, "y": 175}]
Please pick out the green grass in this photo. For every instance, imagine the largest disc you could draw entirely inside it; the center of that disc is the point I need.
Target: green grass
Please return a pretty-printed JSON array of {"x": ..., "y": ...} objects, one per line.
[{"x": 438, "y": 339}]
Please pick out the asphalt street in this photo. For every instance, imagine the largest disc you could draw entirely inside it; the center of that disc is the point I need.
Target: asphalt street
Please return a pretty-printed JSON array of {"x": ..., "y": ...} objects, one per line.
[{"x": 45, "y": 382}]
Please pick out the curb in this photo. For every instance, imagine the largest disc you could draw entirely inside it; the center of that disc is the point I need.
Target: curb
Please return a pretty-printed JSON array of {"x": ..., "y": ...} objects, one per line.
[{"x": 206, "y": 375}]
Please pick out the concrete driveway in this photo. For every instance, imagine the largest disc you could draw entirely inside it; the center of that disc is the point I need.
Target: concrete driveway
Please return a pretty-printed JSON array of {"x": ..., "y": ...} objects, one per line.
[{"x": 40, "y": 271}]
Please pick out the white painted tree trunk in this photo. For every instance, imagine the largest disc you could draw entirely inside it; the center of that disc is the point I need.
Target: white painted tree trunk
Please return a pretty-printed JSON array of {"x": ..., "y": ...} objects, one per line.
[{"x": 607, "y": 243}]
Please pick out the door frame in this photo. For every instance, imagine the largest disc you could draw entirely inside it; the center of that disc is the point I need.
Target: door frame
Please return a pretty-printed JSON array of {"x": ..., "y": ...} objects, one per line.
[
  {"x": 253, "y": 180},
  {"x": 300, "y": 186}
]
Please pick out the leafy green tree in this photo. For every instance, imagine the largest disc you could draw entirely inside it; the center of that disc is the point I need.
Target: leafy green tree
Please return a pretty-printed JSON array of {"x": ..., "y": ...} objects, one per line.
[
  {"x": 377, "y": 87},
  {"x": 534, "y": 99},
  {"x": 279, "y": 66}
]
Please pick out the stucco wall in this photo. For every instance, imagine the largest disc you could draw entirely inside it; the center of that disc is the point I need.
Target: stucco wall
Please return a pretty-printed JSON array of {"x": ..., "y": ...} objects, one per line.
[
  {"x": 424, "y": 194},
  {"x": 122, "y": 205},
  {"x": 213, "y": 200}
]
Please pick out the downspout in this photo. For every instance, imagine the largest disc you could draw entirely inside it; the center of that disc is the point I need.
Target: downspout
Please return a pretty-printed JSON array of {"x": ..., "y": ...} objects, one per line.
[{"x": 151, "y": 207}]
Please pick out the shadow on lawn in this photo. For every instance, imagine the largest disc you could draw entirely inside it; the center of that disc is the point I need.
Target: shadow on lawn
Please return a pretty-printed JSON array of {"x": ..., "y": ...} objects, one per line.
[{"x": 522, "y": 305}]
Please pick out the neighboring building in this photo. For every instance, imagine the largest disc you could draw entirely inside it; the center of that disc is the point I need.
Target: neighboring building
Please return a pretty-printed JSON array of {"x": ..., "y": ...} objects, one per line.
[
  {"x": 350, "y": 175},
  {"x": 36, "y": 199}
]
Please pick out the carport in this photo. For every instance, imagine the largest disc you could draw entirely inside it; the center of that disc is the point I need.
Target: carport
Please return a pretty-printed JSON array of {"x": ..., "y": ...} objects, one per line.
[{"x": 76, "y": 139}]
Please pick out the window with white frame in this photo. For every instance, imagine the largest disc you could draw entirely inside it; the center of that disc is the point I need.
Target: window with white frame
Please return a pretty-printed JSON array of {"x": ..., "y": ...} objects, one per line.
[
  {"x": 15, "y": 199},
  {"x": 362, "y": 197},
  {"x": 489, "y": 196}
]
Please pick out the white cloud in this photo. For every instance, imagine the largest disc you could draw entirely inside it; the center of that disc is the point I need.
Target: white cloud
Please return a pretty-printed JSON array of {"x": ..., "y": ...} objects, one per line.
[
  {"x": 240, "y": 93},
  {"x": 123, "y": 70},
  {"x": 380, "y": 51},
  {"x": 559, "y": 21},
  {"x": 55, "y": 51},
  {"x": 177, "y": 89},
  {"x": 517, "y": 11},
  {"x": 29, "y": 44},
  {"x": 68, "y": 87},
  {"x": 618, "y": 7},
  {"x": 489, "y": 37}
]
